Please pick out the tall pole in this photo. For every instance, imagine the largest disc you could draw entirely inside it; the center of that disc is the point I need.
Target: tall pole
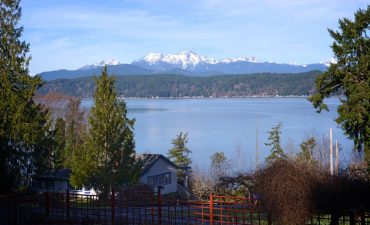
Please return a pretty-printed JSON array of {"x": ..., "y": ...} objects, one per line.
[
  {"x": 331, "y": 152},
  {"x": 257, "y": 154},
  {"x": 336, "y": 156}
]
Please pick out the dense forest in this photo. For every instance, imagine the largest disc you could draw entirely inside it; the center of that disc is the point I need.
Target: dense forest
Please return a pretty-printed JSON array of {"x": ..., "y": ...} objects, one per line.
[{"x": 263, "y": 84}]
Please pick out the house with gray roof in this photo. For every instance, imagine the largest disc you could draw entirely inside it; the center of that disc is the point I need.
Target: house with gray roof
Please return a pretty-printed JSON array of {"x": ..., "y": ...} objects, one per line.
[{"x": 157, "y": 171}]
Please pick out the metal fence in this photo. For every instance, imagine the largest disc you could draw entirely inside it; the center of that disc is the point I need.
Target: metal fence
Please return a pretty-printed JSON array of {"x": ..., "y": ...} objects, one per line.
[
  {"x": 135, "y": 207},
  {"x": 127, "y": 207},
  {"x": 360, "y": 217}
]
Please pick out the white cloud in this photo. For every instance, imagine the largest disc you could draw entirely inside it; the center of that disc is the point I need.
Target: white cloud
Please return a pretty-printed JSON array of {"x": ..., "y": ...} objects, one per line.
[{"x": 61, "y": 43}]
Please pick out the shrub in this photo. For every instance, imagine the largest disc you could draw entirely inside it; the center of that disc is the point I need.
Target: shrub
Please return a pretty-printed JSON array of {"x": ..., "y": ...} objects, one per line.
[
  {"x": 285, "y": 187},
  {"x": 293, "y": 190}
]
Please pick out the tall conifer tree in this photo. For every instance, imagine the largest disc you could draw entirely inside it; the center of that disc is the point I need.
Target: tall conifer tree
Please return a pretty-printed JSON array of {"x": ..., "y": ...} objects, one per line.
[
  {"x": 277, "y": 151},
  {"x": 108, "y": 157},
  {"x": 351, "y": 76},
  {"x": 75, "y": 128},
  {"x": 25, "y": 137},
  {"x": 179, "y": 154},
  {"x": 60, "y": 136},
  {"x": 307, "y": 148}
]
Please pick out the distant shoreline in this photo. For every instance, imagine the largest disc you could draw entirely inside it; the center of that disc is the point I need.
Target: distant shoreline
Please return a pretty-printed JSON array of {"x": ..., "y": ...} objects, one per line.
[{"x": 220, "y": 97}]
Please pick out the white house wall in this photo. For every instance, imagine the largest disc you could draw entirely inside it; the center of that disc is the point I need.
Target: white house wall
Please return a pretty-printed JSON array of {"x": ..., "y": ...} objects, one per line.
[{"x": 160, "y": 167}]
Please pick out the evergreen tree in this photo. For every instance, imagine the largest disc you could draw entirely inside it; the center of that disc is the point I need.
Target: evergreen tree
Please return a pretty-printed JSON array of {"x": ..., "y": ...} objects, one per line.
[
  {"x": 307, "y": 148},
  {"x": 107, "y": 159},
  {"x": 179, "y": 154},
  {"x": 83, "y": 164},
  {"x": 74, "y": 129},
  {"x": 60, "y": 136},
  {"x": 275, "y": 142},
  {"x": 25, "y": 137},
  {"x": 351, "y": 76}
]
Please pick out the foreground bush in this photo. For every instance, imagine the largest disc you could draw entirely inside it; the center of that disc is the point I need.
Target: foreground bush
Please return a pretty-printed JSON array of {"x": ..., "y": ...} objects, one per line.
[{"x": 293, "y": 190}]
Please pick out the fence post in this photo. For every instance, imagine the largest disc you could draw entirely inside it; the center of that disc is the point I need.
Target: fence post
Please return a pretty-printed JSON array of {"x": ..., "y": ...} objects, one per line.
[
  {"x": 211, "y": 209},
  {"x": 113, "y": 206},
  {"x": 15, "y": 215},
  {"x": 269, "y": 219},
  {"x": 47, "y": 203},
  {"x": 68, "y": 203},
  {"x": 362, "y": 215},
  {"x": 159, "y": 206},
  {"x": 202, "y": 212},
  {"x": 352, "y": 217}
]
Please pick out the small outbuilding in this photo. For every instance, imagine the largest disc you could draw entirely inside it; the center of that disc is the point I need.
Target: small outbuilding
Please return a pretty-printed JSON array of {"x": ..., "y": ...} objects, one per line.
[{"x": 58, "y": 181}]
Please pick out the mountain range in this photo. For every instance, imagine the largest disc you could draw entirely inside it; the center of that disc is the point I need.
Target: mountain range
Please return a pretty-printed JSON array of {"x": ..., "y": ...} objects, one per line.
[{"x": 186, "y": 63}]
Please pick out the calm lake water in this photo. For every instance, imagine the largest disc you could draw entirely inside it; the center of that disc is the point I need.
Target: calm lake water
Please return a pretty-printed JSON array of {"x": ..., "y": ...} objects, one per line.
[{"x": 228, "y": 125}]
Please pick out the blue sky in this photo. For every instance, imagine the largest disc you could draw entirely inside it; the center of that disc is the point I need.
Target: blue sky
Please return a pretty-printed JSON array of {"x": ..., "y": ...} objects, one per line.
[{"x": 67, "y": 34}]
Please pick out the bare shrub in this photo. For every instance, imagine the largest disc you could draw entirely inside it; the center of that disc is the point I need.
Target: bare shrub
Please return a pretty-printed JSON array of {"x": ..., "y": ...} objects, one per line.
[
  {"x": 56, "y": 103},
  {"x": 239, "y": 161},
  {"x": 321, "y": 150},
  {"x": 201, "y": 182},
  {"x": 292, "y": 190},
  {"x": 286, "y": 188},
  {"x": 338, "y": 194}
]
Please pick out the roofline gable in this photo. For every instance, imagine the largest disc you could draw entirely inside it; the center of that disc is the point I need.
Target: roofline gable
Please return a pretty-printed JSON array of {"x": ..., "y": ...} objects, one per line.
[{"x": 160, "y": 156}]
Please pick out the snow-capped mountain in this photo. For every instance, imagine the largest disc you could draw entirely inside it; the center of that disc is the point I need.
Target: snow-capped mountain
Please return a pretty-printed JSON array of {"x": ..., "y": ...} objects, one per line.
[
  {"x": 186, "y": 60},
  {"x": 198, "y": 64},
  {"x": 108, "y": 62},
  {"x": 251, "y": 59},
  {"x": 187, "y": 63},
  {"x": 328, "y": 62}
]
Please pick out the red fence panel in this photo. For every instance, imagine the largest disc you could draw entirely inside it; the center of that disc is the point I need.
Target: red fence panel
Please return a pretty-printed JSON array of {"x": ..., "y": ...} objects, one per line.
[{"x": 135, "y": 207}]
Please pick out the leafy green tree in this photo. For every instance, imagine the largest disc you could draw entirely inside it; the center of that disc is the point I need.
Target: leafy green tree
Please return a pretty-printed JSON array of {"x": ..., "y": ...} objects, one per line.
[
  {"x": 179, "y": 154},
  {"x": 351, "y": 76},
  {"x": 307, "y": 148},
  {"x": 107, "y": 159},
  {"x": 219, "y": 164},
  {"x": 26, "y": 139},
  {"x": 276, "y": 151}
]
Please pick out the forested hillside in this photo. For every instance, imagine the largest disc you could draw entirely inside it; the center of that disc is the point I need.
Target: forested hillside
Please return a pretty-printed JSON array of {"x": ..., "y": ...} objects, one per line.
[{"x": 264, "y": 84}]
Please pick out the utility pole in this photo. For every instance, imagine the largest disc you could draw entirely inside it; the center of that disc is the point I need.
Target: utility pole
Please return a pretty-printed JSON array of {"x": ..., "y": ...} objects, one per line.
[
  {"x": 336, "y": 156},
  {"x": 257, "y": 154},
  {"x": 331, "y": 152}
]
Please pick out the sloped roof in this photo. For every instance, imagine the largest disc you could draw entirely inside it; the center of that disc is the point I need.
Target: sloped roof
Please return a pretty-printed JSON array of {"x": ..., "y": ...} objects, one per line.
[
  {"x": 149, "y": 160},
  {"x": 60, "y": 174}
]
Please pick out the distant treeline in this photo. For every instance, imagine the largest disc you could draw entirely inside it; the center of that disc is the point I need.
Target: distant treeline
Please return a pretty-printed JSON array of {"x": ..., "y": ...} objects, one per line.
[{"x": 263, "y": 84}]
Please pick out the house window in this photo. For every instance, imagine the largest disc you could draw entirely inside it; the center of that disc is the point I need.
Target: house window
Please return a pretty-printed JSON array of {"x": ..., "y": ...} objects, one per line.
[
  {"x": 167, "y": 178},
  {"x": 161, "y": 179}
]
